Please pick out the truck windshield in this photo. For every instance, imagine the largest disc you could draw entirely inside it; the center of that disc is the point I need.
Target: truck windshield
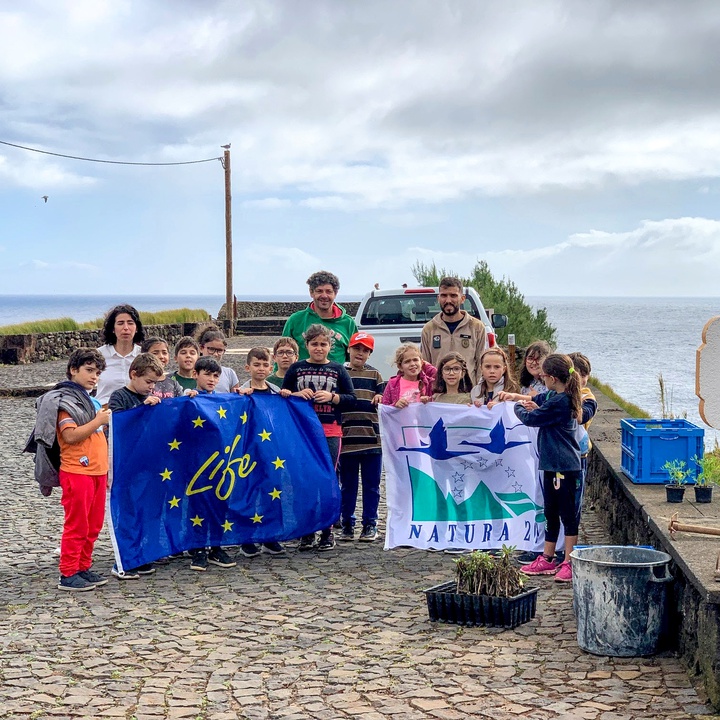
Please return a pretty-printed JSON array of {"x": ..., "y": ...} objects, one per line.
[{"x": 407, "y": 309}]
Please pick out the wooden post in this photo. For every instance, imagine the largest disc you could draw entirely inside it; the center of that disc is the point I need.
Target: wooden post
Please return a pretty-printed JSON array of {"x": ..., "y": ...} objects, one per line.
[
  {"x": 511, "y": 353},
  {"x": 229, "y": 304}
]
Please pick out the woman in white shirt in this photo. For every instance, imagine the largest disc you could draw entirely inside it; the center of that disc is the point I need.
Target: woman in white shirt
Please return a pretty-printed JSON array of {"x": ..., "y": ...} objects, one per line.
[{"x": 122, "y": 331}]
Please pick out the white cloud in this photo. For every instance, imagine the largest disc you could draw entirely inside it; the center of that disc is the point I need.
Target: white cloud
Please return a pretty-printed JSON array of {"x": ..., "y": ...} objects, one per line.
[
  {"x": 37, "y": 173},
  {"x": 63, "y": 265},
  {"x": 398, "y": 102},
  {"x": 270, "y": 203}
]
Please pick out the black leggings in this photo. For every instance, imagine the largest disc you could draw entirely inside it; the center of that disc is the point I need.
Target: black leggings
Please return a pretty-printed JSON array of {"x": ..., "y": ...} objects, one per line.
[{"x": 561, "y": 503}]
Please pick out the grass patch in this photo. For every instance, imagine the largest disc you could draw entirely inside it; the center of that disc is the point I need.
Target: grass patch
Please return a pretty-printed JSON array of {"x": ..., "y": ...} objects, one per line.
[
  {"x": 630, "y": 408},
  {"x": 164, "y": 317}
]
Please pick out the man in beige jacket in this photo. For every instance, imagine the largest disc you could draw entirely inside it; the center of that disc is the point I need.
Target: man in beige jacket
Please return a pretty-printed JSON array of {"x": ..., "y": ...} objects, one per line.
[{"x": 453, "y": 329}]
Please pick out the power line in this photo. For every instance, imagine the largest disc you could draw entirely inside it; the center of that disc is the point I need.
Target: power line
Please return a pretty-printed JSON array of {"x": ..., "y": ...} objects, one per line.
[{"x": 107, "y": 162}]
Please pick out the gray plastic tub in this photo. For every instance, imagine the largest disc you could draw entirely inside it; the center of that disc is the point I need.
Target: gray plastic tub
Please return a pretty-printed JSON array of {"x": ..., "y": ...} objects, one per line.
[{"x": 620, "y": 598}]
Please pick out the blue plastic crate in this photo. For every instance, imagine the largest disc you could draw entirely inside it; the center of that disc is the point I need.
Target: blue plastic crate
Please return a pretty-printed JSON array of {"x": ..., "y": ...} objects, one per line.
[{"x": 648, "y": 444}]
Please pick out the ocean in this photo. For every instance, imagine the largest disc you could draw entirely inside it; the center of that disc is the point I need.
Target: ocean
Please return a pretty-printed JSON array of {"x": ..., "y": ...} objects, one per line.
[{"x": 630, "y": 341}]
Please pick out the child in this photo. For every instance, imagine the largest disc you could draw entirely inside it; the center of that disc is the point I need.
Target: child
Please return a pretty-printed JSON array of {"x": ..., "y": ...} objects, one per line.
[
  {"x": 70, "y": 415},
  {"x": 495, "y": 377},
  {"x": 330, "y": 388},
  {"x": 207, "y": 376},
  {"x": 259, "y": 365},
  {"x": 530, "y": 380},
  {"x": 167, "y": 387},
  {"x": 555, "y": 414},
  {"x": 187, "y": 352},
  {"x": 589, "y": 408},
  {"x": 145, "y": 372},
  {"x": 453, "y": 383},
  {"x": 285, "y": 353},
  {"x": 212, "y": 342},
  {"x": 361, "y": 454},
  {"x": 414, "y": 381}
]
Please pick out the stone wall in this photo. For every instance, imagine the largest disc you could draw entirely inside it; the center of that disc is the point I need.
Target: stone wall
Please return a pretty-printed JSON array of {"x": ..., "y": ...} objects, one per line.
[
  {"x": 15, "y": 349},
  {"x": 249, "y": 309},
  {"x": 635, "y": 515}
]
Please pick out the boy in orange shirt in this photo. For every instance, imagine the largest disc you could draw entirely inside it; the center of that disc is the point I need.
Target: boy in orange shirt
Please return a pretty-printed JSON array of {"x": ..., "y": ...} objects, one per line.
[{"x": 83, "y": 470}]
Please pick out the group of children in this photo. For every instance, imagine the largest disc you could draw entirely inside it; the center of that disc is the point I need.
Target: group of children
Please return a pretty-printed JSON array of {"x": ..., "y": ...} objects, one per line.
[{"x": 345, "y": 397}]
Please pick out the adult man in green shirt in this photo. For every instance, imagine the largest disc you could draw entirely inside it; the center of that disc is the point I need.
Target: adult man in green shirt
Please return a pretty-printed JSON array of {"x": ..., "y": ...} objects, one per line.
[{"x": 323, "y": 309}]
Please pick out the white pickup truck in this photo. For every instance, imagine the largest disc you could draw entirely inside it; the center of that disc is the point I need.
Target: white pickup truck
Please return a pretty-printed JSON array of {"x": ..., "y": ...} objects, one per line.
[{"x": 394, "y": 317}]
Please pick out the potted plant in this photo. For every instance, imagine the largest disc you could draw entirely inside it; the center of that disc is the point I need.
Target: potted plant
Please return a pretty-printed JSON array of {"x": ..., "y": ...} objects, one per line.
[
  {"x": 678, "y": 472},
  {"x": 487, "y": 590},
  {"x": 708, "y": 475}
]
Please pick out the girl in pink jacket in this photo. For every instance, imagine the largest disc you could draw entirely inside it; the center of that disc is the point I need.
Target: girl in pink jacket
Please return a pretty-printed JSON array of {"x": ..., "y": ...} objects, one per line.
[{"x": 414, "y": 381}]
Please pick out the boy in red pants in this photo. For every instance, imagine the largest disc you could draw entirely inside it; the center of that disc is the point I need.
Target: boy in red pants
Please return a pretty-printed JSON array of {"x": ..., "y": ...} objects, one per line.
[{"x": 83, "y": 469}]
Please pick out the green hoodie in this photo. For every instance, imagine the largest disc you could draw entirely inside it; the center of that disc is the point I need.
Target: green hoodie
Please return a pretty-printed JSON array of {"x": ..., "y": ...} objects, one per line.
[{"x": 342, "y": 325}]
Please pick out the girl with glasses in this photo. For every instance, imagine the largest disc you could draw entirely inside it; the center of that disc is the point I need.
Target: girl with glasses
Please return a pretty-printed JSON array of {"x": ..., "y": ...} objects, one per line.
[
  {"x": 213, "y": 343},
  {"x": 453, "y": 383},
  {"x": 530, "y": 376}
]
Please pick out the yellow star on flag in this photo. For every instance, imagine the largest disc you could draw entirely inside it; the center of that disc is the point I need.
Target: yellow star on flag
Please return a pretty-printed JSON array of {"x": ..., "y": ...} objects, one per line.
[
  {"x": 197, "y": 521},
  {"x": 275, "y": 494},
  {"x": 257, "y": 518},
  {"x": 198, "y": 422},
  {"x": 174, "y": 502},
  {"x": 265, "y": 435},
  {"x": 278, "y": 463},
  {"x": 175, "y": 445},
  {"x": 222, "y": 412},
  {"x": 227, "y": 526},
  {"x": 165, "y": 474},
  {"x": 243, "y": 417}
]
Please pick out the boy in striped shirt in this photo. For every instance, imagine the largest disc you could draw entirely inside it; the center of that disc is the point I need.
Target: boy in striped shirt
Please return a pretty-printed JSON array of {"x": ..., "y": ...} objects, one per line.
[{"x": 361, "y": 453}]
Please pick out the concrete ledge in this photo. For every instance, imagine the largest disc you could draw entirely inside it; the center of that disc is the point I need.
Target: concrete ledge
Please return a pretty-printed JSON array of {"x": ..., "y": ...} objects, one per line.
[{"x": 639, "y": 515}]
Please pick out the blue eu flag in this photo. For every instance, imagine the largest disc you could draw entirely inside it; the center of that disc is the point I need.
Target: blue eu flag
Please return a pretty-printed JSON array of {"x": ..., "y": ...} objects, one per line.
[{"x": 217, "y": 470}]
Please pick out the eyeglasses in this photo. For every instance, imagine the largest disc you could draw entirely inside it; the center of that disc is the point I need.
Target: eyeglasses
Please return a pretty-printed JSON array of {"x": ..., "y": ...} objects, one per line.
[
  {"x": 532, "y": 361},
  {"x": 214, "y": 351},
  {"x": 452, "y": 370},
  {"x": 285, "y": 352}
]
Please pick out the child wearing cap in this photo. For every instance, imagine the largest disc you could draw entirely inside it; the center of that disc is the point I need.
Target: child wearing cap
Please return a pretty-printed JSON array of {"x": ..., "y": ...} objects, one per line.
[{"x": 361, "y": 454}]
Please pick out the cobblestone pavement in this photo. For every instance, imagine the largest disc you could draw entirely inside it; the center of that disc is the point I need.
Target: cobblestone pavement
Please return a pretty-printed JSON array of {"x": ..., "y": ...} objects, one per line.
[{"x": 338, "y": 635}]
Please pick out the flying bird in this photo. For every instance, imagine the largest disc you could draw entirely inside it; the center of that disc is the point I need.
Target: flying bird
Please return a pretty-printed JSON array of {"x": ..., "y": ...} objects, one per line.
[
  {"x": 497, "y": 444},
  {"x": 437, "y": 449},
  {"x": 45, "y": 197}
]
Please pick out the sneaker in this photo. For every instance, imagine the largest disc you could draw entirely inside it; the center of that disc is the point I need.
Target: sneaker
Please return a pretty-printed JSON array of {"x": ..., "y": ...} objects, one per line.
[
  {"x": 219, "y": 557},
  {"x": 369, "y": 533},
  {"x": 540, "y": 566},
  {"x": 307, "y": 542},
  {"x": 75, "y": 583},
  {"x": 147, "y": 569},
  {"x": 92, "y": 577},
  {"x": 564, "y": 573},
  {"x": 327, "y": 542},
  {"x": 199, "y": 561},
  {"x": 348, "y": 533},
  {"x": 273, "y": 548},
  {"x": 125, "y": 575},
  {"x": 524, "y": 558},
  {"x": 249, "y": 549}
]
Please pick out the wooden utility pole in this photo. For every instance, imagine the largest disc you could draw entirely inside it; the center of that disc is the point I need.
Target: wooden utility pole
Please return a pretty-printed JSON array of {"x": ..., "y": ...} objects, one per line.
[{"x": 229, "y": 304}]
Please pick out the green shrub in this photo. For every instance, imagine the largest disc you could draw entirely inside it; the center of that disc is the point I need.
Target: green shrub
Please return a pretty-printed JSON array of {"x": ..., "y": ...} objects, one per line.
[
  {"x": 503, "y": 296},
  {"x": 163, "y": 317}
]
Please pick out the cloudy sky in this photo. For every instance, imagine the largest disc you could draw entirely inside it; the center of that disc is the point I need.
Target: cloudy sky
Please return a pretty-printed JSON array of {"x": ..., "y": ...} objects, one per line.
[{"x": 574, "y": 146}]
